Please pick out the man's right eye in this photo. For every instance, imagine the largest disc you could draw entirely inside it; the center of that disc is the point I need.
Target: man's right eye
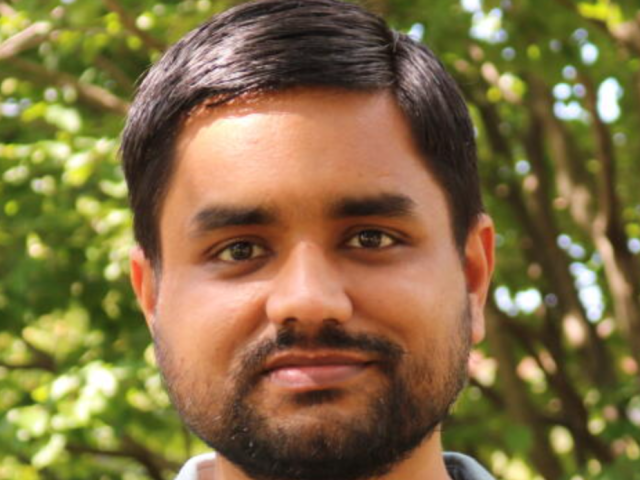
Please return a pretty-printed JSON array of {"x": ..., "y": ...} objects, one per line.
[{"x": 241, "y": 251}]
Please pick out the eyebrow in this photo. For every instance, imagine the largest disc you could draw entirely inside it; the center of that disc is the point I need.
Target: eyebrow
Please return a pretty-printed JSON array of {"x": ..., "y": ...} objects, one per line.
[
  {"x": 220, "y": 216},
  {"x": 381, "y": 205},
  {"x": 216, "y": 217}
]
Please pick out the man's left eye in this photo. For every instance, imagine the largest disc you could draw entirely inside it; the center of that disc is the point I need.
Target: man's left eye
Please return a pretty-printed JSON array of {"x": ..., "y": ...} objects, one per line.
[{"x": 372, "y": 239}]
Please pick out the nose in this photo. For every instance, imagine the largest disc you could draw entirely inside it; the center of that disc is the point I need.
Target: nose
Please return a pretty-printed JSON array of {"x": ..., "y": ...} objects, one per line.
[{"x": 308, "y": 290}]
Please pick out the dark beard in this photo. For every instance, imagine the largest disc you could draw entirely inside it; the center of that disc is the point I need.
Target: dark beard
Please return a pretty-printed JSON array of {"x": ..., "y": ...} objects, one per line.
[{"x": 414, "y": 400}]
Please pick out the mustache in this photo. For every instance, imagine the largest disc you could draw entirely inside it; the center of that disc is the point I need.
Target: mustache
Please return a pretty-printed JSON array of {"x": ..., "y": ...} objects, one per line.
[{"x": 330, "y": 336}]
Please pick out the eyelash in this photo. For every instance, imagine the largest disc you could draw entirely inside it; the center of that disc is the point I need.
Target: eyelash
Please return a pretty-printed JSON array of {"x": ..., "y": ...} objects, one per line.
[
  {"x": 387, "y": 238},
  {"x": 391, "y": 239},
  {"x": 251, "y": 243}
]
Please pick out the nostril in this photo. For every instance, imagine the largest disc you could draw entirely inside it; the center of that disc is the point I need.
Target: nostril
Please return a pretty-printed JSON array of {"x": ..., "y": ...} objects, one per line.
[{"x": 334, "y": 322}]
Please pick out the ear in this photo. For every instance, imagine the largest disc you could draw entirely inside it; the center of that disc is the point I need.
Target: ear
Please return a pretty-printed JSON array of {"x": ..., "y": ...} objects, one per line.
[
  {"x": 144, "y": 282},
  {"x": 478, "y": 268}
]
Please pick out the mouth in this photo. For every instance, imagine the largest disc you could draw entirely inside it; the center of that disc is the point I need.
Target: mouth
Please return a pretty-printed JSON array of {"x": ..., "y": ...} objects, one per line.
[{"x": 317, "y": 370}]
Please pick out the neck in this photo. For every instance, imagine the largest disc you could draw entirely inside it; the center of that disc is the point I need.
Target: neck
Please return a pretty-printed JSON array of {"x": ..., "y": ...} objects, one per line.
[{"x": 426, "y": 461}]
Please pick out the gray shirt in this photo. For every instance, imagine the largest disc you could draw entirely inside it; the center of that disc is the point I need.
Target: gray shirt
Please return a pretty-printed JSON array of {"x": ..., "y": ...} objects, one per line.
[
  {"x": 463, "y": 467},
  {"x": 460, "y": 467}
]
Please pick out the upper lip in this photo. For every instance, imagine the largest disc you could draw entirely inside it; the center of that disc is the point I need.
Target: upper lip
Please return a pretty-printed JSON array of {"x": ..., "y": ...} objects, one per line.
[{"x": 305, "y": 359}]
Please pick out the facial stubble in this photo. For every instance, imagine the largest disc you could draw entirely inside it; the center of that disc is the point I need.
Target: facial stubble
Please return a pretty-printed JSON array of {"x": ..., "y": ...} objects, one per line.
[{"x": 414, "y": 396}]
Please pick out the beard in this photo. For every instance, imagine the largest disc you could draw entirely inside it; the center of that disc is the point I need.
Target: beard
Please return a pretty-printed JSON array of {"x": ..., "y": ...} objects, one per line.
[{"x": 400, "y": 411}]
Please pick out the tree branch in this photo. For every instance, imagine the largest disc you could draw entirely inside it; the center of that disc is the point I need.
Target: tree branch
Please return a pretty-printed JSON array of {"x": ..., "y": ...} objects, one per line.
[
  {"x": 572, "y": 181},
  {"x": 41, "y": 360},
  {"x": 6, "y": 10},
  {"x": 626, "y": 34},
  {"x": 38, "y": 365},
  {"x": 621, "y": 268},
  {"x": 133, "y": 450},
  {"x": 573, "y": 408},
  {"x": 489, "y": 393},
  {"x": 595, "y": 357},
  {"x": 34, "y": 35},
  {"x": 531, "y": 204},
  {"x": 516, "y": 399},
  {"x": 90, "y": 94},
  {"x": 130, "y": 24},
  {"x": 115, "y": 72},
  {"x": 31, "y": 36}
]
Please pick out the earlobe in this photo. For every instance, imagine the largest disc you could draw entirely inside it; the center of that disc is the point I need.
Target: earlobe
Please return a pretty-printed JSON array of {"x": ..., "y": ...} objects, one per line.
[
  {"x": 479, "y": 263},
  {"x": 144, "y": 283}
]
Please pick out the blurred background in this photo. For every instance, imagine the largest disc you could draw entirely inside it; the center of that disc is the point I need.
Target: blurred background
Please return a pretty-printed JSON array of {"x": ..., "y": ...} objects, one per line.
[{"x": 554, "y": 89}]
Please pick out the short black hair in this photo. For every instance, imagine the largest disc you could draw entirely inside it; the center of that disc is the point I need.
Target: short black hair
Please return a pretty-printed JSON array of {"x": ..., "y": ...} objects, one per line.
[{"x": 274, "y": 45}]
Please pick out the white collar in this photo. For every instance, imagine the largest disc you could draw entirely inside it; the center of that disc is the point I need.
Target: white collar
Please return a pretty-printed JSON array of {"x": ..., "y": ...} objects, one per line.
[{"x": 189, "y": 470}]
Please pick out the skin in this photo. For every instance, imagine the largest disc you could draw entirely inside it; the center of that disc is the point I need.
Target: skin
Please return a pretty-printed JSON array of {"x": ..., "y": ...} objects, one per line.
[{"x": 298, "y": 153}]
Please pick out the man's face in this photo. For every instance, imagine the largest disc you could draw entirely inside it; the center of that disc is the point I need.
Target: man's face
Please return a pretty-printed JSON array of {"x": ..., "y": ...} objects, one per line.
[{"x": 313, "y": 317}]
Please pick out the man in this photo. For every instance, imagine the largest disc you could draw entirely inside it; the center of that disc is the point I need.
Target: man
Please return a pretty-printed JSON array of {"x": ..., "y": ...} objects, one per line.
[{"x": 313, "y": 255}]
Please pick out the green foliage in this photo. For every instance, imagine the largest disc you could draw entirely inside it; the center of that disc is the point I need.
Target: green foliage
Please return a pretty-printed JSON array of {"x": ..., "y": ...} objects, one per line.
[{"x": 554, "y": 89}]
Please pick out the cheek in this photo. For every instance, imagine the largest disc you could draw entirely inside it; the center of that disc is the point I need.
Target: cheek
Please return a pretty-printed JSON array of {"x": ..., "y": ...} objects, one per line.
[
  {"x": 207, "y": 322},
  {"x": 419, "y": 302}
]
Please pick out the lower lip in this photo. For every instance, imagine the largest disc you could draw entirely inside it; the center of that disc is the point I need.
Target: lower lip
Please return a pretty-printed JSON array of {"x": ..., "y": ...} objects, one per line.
[{"x": 316, "y": 376}]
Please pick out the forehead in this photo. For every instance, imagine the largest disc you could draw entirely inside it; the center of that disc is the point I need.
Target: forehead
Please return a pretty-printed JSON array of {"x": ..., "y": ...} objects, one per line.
[
  {"x": 346, "y": 118},
  {"x": 305, "y": 147}
]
